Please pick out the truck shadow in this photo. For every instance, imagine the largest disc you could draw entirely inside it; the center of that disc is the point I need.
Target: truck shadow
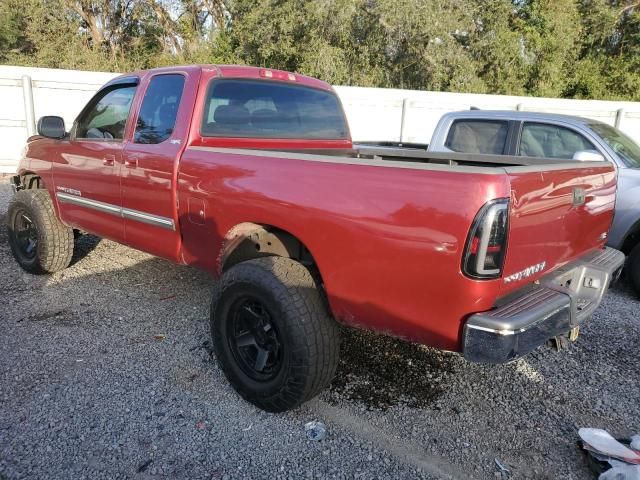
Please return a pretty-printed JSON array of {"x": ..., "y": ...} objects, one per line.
[
  {"x": 623, "y": 287},
  {"x": 379, "y": 372},
  {"x": 85, "y": 243}
]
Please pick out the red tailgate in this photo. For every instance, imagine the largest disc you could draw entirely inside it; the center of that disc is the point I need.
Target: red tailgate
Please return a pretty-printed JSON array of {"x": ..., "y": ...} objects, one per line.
[{"x": 556, "y": 215}]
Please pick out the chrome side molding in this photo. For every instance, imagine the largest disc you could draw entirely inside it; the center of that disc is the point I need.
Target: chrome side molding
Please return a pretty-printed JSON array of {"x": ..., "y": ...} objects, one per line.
[{"x": 128, "y": 213}]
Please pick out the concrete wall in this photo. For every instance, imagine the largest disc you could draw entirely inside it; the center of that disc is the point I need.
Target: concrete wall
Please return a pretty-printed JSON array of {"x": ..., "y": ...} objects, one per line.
[{"x": 373, "y": 113}]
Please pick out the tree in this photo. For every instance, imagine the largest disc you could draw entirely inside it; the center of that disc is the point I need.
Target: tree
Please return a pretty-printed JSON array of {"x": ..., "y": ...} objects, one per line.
[
  {"x": 12, "y": 30},
  {"x": 609, "y": 64},
  {"x": 497, "y": 46},
  {"x": 425, "y": 45},
  {"x": 572, "y": 48},
  {"x": 405, "y": 43},
  {"x": 551, "y": 33}
]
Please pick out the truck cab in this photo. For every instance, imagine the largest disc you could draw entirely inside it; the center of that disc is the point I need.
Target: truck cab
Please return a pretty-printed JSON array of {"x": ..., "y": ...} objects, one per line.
[{"x": 115, "y": 169}]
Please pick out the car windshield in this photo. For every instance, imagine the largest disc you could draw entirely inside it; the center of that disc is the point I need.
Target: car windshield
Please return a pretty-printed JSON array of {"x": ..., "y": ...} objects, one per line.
[{"x": 623, "y": 145}]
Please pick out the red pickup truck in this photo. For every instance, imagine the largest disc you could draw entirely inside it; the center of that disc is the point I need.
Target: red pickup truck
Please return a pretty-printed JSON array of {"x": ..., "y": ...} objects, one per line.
[{"x": 250, "y": 174}]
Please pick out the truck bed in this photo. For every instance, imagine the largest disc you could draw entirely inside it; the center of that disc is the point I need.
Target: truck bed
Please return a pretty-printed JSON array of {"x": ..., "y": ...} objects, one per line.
[
  {"x": 413, "y": 155},
  {"x": 420, "y": 155},
  {"x": 403, "y": 216}
]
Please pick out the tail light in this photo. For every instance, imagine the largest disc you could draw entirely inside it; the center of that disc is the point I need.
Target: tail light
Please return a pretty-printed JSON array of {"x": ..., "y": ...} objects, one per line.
[{"x": 487, "y": 243}]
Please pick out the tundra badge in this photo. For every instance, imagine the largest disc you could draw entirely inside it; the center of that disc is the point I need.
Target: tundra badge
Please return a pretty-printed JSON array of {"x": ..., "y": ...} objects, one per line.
[
  {"x": 526, "y": 273},
  {"x": 71, "y": 191}
]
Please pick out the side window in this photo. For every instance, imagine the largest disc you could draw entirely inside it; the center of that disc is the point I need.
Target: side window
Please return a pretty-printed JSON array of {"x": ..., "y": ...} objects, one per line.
[
  {"x": 159, "y": 109},
  {"x": 551, "y": 141},
  {"x": 478, "y": 136},
  {"x": 107, "y": 115}
]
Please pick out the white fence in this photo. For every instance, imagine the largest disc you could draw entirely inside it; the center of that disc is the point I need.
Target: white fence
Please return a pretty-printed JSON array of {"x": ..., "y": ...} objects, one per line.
[
  {"x": 27, "y": 94},
  {"x": 374, "y": 113}
]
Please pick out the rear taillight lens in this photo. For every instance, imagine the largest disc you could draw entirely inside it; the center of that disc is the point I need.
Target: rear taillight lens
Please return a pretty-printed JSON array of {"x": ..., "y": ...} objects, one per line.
[{"x": 487, "y": 243}]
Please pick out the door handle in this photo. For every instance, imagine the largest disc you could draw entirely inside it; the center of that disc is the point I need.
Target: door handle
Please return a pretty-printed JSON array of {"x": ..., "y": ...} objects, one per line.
[
  {"x": 109, "y": 160},
  {"x": 131, "y": 161}
]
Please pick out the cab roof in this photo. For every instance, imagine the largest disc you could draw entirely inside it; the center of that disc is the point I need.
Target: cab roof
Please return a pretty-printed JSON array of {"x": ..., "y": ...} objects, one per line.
[
  {"x": 233, "y": 71},
  {"x": 520, "y": 115}
]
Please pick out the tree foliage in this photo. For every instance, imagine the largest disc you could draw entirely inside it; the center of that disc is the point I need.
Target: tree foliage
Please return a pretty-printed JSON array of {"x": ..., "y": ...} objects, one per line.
[{"x": 567, "y": 48}]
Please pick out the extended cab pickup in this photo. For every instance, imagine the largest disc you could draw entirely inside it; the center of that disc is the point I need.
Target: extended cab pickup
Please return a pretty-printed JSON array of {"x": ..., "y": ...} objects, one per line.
[
  {"x": 546, "y": 135},
  {"x": 250, "y": 174}
]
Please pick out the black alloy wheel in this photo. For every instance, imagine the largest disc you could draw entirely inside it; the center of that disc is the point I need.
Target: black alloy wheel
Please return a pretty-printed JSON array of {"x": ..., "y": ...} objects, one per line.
[
  {"x": 272, "y": 334},
  {"x": 25, "y": 235},
  {"x": 39, "y": 241},
  {"x": 254, "y": 339}
]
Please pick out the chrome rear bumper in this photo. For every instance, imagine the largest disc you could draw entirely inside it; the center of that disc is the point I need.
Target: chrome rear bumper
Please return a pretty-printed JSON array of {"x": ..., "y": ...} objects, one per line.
[{"x": 554, "y": 306}]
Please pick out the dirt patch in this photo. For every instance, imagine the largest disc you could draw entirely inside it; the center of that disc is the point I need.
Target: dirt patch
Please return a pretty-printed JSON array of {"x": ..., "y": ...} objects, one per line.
[{"x": 380, "y": 372}]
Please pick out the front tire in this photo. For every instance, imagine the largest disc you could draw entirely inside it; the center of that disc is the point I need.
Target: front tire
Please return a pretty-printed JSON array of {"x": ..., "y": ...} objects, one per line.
[
  {"x": 272, "y": 334},
  {"x": 39, "y": 241},
  {"x": 633, "y": 268}
]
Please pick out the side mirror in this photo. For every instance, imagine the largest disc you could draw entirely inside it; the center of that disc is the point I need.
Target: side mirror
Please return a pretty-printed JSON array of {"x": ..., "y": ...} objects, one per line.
[
  {"x": 588, "y": 156},
  {"x": 51, "y": 127}
]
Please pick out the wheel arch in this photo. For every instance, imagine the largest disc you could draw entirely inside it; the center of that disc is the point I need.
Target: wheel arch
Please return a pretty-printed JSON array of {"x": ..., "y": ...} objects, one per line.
[
  {"x": 28, "y": 180},
  {"x": 249, "y": 240}
]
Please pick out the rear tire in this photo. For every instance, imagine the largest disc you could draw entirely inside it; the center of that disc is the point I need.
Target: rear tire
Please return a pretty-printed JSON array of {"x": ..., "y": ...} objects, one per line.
[
  {"x": 273, "y": 337},
  {"x": 633, "y": 268},
  {"x": 39, "y": 241}
]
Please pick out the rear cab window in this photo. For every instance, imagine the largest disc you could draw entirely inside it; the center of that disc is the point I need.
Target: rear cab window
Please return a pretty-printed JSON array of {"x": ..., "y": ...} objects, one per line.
[
  {"x": 271, "y": 109},
  {"x": 478, "y": 136}
]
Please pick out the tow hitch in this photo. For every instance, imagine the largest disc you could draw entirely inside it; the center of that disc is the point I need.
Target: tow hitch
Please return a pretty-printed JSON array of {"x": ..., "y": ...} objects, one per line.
[{"x": 561, "y": 342}]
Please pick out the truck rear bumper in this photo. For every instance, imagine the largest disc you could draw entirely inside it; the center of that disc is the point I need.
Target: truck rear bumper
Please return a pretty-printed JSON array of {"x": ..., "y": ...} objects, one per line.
[{"x": 553, "y": 306}]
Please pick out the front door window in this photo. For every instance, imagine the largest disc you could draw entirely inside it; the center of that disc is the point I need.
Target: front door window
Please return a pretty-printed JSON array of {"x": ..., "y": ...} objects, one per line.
[
  {"x": 106, "y": 116},
  {"x": 551, "y": 141}
]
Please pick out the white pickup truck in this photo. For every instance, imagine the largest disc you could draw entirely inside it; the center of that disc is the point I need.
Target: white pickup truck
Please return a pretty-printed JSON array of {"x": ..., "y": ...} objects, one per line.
[{"x": 547, "y": 135}]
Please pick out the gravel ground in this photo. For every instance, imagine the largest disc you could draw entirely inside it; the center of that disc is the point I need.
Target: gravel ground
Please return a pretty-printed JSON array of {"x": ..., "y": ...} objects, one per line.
[{"x": 106, "y": 372}]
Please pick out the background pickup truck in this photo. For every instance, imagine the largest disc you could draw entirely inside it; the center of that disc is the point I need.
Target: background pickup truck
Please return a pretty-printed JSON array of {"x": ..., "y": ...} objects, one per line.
[
  {"x": 250, "y": 174},
  {"x": 556, "y": 136}
]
